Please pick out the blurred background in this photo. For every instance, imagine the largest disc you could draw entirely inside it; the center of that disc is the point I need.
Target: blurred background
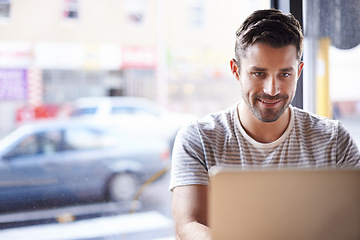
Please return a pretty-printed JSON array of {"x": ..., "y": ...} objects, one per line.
[
  {"x": 138, "y": 69},
  {"x": 176, "y": 53}
]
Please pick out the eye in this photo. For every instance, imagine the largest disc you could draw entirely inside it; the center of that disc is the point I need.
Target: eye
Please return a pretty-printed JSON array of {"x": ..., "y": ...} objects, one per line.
[
  {"x": 285, "y": 75},
  {"x": 259, "y": 74}
]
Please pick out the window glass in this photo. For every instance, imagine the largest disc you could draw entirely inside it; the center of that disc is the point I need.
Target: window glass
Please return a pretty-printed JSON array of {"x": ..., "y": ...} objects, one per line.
[
  {"x": 71, "y": 9},
  {"x": 102, "y": 169},
  {"x": 197, "y": 13},
  {"x": 58, "y": 84},
  {"x": 5, "y": 9},
  {"x": 27, "y": 146},
  {"x": 87, "y": 138},
  {"x": 80, "y": 139},
  {"x": 51, "y": 142},
  {"x": 135, "y": 12},
  {"x": 332, "y": 34},
  {"x": 133, "y": 111},
  {"x": 84, "y": 111},
  {"x": 47, "y": 143}
]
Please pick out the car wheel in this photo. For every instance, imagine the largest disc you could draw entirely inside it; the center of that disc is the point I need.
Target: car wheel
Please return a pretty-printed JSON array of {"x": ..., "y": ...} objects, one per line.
[{"x": 123, "y": 187}]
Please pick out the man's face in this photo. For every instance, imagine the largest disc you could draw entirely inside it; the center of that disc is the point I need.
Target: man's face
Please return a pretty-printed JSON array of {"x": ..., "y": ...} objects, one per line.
[{"x": 268, "y": 78}]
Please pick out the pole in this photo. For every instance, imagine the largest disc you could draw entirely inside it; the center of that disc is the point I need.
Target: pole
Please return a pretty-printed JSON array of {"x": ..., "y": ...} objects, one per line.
[
  {"x": 161, "y": 69},
  {"x": 323, "y": 103}
]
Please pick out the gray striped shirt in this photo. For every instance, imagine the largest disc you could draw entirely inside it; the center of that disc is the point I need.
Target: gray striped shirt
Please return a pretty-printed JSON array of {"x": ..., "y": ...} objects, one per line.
[{"x": 219, "y": 139}]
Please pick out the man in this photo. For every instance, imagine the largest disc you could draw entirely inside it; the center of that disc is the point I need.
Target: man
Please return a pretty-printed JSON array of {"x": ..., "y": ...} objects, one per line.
[{"x": 263, "y": 130}]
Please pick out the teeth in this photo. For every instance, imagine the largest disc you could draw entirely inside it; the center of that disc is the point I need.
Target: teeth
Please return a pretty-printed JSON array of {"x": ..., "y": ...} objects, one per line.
[{"x": 270, "y": 102}]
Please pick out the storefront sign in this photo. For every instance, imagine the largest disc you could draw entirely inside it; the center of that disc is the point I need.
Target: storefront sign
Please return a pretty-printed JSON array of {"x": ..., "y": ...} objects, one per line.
[
  {"x": 13, "y": 84},
  {"x": 104, "y": 57},
  {"x": 15, "y": 54},
  {"x": 59, "y": 55}
]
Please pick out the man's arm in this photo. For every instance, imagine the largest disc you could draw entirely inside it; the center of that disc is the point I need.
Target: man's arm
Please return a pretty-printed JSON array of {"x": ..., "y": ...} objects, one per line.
[{"x": 189, "y": 206}]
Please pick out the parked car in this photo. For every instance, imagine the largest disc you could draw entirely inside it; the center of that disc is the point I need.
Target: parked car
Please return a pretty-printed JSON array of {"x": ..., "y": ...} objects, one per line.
[
  {"x": 75, "y": 161},
  {"x": 139, "y": 114}
]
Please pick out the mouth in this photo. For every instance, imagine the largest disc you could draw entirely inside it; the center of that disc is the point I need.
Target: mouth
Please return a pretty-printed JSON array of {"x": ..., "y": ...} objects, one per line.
[{"x": 271, "y": 102}]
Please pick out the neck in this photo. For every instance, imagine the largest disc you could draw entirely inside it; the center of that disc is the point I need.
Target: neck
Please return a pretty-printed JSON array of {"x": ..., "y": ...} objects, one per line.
[{"x": 263, "y": 132}]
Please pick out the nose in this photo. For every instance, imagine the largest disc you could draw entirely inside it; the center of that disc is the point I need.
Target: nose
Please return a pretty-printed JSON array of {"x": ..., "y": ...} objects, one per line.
[{"x": 271, "y": 86}]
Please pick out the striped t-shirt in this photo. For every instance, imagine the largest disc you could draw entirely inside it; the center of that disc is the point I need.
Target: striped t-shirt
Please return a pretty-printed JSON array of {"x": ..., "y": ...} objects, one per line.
[{"x": 219, "y": 139}]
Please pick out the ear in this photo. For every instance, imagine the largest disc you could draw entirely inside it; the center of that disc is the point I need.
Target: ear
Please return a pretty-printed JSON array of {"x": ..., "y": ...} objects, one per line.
[
  {"x": 234, "y": 68},
  {"x": 301, "y": 65}
]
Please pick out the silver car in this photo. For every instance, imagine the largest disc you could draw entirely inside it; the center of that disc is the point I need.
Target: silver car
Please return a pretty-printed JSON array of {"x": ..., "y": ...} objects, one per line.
[
  {"x": 138, "y": 113},
  {"x": 75, "y": 161}
]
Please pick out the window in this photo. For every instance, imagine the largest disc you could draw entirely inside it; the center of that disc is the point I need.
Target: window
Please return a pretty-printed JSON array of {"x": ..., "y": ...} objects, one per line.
[
  {"x": 135, "y": 12},
  {"x": 28, "y": 146},
  {"x": 197, "y": 13},
  {"x": 87, "y": 138},
  {"x": 5, "y": 9},
  {"x": 40, "y": 143},
  {"x": 51, "y": 142},
  {"x": 84, "y": 111},
  {"x": 134, "y": 111},
  {"x": 332, "y": 33},
  {"x": 71, "y": 9}
]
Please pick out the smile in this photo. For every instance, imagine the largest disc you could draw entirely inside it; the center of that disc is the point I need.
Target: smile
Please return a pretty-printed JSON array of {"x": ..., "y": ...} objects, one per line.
[{"x": 270, "y": 101}]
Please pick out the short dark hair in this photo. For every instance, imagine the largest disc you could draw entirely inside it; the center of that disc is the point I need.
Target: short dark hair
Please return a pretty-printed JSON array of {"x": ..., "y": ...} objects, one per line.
[{"x": 269, "y": 26}]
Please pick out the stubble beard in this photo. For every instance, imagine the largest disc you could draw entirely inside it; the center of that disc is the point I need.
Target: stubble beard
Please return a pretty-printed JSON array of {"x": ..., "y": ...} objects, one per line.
[{"x": 269, "y": 114}]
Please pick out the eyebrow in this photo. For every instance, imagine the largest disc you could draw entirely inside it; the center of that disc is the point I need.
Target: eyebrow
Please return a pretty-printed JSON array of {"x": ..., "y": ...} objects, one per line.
[
  {"x": 289, "y": 69},
  {"x": 258, "y": 69}
]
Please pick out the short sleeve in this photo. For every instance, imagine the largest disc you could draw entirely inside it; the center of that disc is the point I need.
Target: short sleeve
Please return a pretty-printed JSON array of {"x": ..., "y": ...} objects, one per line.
[
  {"x": 188, "y": 160},
  {"x": 348, "y": 154}
]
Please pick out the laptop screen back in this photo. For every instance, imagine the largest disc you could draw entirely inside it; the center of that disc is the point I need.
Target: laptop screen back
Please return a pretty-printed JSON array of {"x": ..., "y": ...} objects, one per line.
[{"x": 284, "y": 204}]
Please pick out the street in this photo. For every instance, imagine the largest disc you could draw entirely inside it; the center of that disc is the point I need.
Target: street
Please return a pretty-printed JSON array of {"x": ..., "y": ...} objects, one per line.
[
  {"x": 145, "y": 225},
  {"x": 151, "y": 220}
]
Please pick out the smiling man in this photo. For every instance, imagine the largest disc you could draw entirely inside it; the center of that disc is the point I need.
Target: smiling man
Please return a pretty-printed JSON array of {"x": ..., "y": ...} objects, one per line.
[
  {"x": 267, "y": 78},
  {"x": 263, "y": 130}
]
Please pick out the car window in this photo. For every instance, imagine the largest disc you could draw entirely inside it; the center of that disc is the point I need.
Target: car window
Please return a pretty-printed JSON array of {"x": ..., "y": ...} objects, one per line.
[
  {"x": 87, "y": 138},
  {"x": 28, "y": 146},
  {"x": 84, "y": 111},
  {"x": 47, "y": 142},
  {"x": 51, "y": 142},
  {"x": 133, "y": 111},
  {"x": 122, "y": 110}
]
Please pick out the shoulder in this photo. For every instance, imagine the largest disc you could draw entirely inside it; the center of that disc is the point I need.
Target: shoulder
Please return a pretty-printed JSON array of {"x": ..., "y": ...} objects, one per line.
[
  {"x": 321, "y": 130},
  {"x": 312, "y": 122},
  {"x": 327, "y": 136}
]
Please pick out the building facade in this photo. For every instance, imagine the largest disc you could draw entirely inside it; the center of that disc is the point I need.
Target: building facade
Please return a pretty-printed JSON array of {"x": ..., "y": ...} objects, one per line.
[{"x": 173, "y": 52}]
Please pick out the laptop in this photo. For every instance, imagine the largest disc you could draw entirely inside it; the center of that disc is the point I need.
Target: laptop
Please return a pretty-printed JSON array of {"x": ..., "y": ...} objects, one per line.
[{"x": 284, "y": 204}]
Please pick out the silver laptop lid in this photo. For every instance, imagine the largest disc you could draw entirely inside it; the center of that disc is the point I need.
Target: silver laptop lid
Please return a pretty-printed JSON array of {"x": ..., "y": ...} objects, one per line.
[{"x": 284, "y": 204}]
